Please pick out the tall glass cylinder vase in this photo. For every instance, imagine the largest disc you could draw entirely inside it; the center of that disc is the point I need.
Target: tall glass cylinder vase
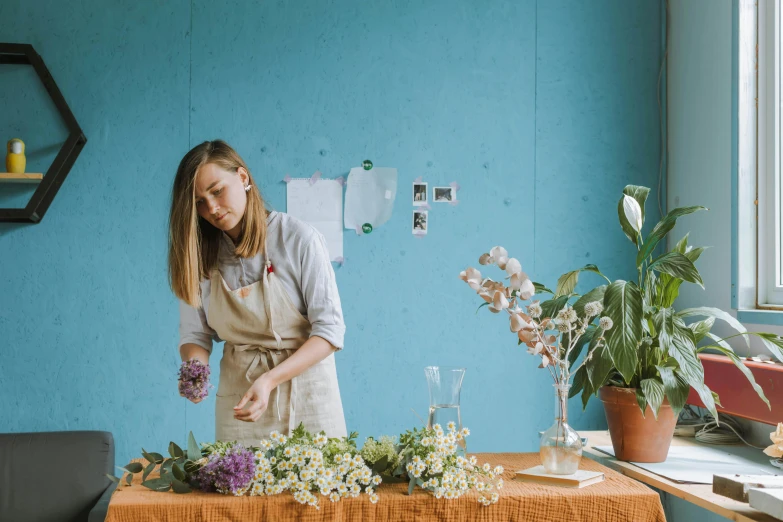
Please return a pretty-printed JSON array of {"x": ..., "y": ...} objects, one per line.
[
  {"x": 445, "y": 384},
  {"x": 561, "y": 446}
]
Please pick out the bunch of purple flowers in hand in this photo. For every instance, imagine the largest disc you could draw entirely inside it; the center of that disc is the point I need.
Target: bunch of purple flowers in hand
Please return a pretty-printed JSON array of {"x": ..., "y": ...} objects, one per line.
[{"x": 194, "y": 379}]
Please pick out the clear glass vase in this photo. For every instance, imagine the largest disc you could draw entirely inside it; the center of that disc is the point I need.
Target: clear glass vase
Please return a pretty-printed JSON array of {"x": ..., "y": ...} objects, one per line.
[
  {"x": 445, "y": 384},
  {"x": 561, "y": 446}
]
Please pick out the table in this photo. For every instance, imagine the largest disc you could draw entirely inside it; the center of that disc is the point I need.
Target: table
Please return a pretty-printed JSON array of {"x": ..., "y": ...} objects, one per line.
[
  {"x": 699, "y": 494},
  {"x": 617, "y": 498}
]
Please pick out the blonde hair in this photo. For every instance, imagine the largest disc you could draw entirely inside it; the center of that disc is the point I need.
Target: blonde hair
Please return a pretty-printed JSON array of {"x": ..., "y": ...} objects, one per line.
[{"x": 194, "y": 242}]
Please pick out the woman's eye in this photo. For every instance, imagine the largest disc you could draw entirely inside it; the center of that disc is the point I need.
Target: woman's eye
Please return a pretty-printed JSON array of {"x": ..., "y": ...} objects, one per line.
[{"x": 218, "y": 192}]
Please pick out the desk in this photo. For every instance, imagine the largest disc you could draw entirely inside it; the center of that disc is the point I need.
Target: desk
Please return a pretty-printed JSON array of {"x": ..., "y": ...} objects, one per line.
[
  {"x": 699, "y": 494},
  {"x": 617, "y": 498}
]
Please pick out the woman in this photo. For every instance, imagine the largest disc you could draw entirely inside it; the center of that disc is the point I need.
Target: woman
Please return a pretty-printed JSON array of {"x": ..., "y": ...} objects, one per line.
[{"x": 263, "y": 283}]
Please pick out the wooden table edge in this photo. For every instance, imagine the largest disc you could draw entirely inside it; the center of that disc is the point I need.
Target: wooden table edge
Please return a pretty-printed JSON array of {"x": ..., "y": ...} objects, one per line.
[{"x": 724, "y": 506}]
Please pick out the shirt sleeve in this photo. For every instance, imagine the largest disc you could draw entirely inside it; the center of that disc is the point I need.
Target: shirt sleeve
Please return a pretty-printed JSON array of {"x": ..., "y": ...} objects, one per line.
[
  {"x": 319, "y": 289},
  {"x": 193, "y": 327}
]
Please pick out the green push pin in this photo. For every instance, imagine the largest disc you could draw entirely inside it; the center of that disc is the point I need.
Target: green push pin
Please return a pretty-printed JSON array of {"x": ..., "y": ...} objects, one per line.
[
  {"x": 367, "y": 165},
  {"x": 367, "y": 228}
]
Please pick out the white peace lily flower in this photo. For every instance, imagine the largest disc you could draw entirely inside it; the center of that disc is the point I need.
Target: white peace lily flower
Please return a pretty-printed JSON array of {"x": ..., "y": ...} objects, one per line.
[{"x": 633, "y": 212}]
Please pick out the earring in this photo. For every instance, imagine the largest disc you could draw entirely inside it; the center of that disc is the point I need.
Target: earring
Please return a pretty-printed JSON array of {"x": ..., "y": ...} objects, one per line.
[{"x": 247, "y": 188}]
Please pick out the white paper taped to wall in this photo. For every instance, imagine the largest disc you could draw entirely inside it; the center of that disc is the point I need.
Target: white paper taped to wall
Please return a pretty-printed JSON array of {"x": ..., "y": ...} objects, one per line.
[
  {"x": 369, "y": 197},
  {"x": 321, "y": 205}
]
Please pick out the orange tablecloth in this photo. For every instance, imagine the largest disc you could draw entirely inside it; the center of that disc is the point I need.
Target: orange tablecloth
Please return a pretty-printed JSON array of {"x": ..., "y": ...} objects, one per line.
[{"x": 616, "y": 498}]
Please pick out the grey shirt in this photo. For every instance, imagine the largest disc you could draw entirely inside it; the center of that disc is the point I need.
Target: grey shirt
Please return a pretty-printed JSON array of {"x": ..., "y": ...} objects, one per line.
[{"x": 300, "y": 260}]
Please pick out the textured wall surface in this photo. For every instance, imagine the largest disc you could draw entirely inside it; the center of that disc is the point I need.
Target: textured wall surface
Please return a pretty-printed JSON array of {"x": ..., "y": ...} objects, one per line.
[{"x": 541, "y": 111}]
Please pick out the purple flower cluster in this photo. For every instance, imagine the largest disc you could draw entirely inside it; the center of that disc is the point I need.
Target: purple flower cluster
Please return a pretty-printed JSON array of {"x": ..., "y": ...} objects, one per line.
[
  {"x": 231, "y": 472},
  {"x": 194, "y": 379}
]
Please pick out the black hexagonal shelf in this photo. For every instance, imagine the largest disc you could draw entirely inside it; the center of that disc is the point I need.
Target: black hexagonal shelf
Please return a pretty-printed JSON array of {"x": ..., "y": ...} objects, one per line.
[{"x": 24, "y": 54}]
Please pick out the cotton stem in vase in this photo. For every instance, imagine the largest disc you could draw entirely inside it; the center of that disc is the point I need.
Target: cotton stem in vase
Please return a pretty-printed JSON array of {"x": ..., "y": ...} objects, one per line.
[{"x": 555, "y": 330}]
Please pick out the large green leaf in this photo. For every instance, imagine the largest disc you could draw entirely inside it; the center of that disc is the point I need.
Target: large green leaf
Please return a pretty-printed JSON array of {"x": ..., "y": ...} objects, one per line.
[
  {"x": 677, "y": 265},
  {"x": 579, "y": 345},
  {"x": 599, "y": 366},
  {"x": 175, "y": 451},
  {"x": 541, "y": 288},
  {"x": 551, "y": 307},
  {"x": 682, "y": 244},
  {"x": 653, "y": 392},
  {"x": 664, "y": 325},
  {"x": 567, "y": 282},
  {"x": 623, "y": 304},
  {"x": 661, "y": 229},
  {"x": 587, "y": 392},
  {"x": 640, "y": 195},
  {"x": 701, "y": 328},
  {"x": 180, "y": 487},
  {"x": 683, "y": 349},
  {"x": 774, "y": 344},
  {"x": 596, "y": 294},
  {"x": 579, "y": 379},
  {"x": 675, "y": 386},
  {"x": 717, "y": 313}
]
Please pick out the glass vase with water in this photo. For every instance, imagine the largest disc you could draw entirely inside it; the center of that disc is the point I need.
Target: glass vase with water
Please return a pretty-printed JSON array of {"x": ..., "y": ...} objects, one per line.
[
  {"x": 561, "y": 446},
  {"x": 445, "y": 384}
]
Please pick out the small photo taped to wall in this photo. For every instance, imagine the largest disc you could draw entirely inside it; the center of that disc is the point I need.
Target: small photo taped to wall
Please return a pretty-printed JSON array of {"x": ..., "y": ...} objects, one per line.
[
  {"x": 419, "y": 193},
  {"x": 443, "y": 194},
  {"x": 420, "y": 222}
]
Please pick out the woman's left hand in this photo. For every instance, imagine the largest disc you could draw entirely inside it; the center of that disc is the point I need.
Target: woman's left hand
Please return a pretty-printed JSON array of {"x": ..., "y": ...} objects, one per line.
[{"x": 259, "y": 394}]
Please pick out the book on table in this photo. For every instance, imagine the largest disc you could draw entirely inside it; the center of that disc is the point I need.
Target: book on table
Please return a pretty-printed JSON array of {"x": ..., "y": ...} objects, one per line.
[{"x": 579, "y": 479}]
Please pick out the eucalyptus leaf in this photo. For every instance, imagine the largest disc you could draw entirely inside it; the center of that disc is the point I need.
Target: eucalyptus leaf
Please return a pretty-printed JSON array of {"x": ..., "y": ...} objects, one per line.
[
  {"x": 623, "y": 304},
  {"x": 661, "y": 229},
  {"x": 380, "y": 465},
  {"x": 180, "y": 487},
  {"x": 133, "y": 467},
  {"x": 174, "y": 450},
  {"x": 194, "y": 452},
  {"x": 178, "y": 473},
  {"x": 114, "y": 479},
  {"x": 128, "y": 479},
  {"x": 148, "y": 470},
  {"x": 157, "y": 456},
  {"x": 411, "y": 485},
  {"x": 158, "y": 484}
]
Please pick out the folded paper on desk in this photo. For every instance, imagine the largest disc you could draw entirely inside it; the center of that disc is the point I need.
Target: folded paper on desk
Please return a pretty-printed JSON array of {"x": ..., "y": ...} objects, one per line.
[
  {"x": 698, "y": 464},
  {"x": 579, "y": 479}
]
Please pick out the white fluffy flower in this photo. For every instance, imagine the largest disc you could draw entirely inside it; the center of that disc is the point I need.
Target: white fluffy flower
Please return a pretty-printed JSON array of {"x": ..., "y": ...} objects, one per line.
[
  {"x": 593, "y": 308},
  {"x": 605, "y": 323},
  {"x": 535, "y": 310}
]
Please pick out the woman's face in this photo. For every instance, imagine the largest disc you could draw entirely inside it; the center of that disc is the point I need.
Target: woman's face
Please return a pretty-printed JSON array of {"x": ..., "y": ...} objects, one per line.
[{"x": 221, "y": 198}]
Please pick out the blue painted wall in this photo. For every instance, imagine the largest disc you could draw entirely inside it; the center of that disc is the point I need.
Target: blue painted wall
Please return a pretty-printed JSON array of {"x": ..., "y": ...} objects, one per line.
[{"x": 542, "y": 111}]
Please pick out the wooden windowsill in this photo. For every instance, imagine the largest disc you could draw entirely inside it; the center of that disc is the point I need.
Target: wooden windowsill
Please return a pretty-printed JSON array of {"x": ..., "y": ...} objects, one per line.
[
  {"x": 27, "y": 177},
  {"x": 698, "y": 494}
]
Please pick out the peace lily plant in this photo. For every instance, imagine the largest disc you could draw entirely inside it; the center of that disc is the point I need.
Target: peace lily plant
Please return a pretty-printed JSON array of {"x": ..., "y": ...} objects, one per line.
[
  {"x": 624, "y": 334},
  {"x": 651, "y": 349}
]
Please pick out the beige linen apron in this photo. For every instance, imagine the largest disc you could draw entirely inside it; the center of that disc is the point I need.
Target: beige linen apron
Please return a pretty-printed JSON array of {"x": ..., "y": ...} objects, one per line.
[{"x": 262, "y": 328}]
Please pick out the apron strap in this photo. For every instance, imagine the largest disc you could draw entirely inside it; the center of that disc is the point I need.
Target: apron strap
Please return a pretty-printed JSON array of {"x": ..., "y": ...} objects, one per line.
[
  {"x": 266, "y": 359},
  {"x": 268, "y": 304}
]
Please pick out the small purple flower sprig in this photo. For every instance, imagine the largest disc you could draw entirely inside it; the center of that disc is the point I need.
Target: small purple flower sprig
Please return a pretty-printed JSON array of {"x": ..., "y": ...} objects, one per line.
[
  {"x": 229, "y": 469},
  {"x": 194, "y": 379}
]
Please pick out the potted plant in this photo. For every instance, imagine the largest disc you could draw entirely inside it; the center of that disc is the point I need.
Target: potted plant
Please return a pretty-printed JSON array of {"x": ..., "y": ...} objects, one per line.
[{"x": 644, "y": 371}]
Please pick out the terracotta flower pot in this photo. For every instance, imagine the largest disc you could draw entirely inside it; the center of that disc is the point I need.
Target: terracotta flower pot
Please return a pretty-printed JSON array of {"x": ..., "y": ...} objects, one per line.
[{"x": 636, "y": 438}]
